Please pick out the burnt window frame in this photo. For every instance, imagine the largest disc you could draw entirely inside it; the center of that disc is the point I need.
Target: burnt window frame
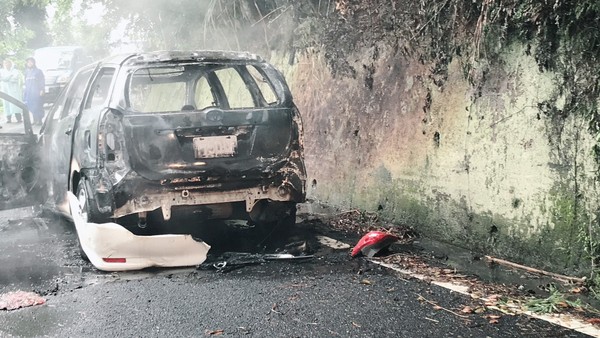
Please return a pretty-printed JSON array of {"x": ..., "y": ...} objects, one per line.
[
  {"x": 208, "y": 70},
  {"x": 97, "y": 76},
  {"x": 190, "y": 83},
  {"x": 213, "y": 90},
  {"x": 68, "y": 108},
  {"x": 264, "y": 74},
  {"x": 219, "y": 83}
]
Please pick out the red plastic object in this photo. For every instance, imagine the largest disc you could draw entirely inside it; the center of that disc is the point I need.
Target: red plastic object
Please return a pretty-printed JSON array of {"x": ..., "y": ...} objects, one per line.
[
  {"x": 373, "y": 242},
  {"x": 115, "y": 260}
]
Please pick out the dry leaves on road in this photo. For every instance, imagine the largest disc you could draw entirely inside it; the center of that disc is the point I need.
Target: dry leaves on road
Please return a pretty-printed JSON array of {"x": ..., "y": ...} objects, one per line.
[
  {"x": 493, "y": 319},
  {"x": 361, "y": 222}
]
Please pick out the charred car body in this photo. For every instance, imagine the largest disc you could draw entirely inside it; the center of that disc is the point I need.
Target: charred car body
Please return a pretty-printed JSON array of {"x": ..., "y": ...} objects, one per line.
[
  {"x": 141, "y": 138},
  {"x": 215, "y": 134}
]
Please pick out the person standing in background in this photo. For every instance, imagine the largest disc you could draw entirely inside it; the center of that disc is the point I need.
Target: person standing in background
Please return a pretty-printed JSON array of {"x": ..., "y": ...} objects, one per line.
[
  {"x": 34, "y": 91},
  {"x": 10, "y": 83}
]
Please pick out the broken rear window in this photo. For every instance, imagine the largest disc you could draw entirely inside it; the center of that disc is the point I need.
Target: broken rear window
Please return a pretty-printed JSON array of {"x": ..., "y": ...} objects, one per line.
[{"x": 196, "y": 87}]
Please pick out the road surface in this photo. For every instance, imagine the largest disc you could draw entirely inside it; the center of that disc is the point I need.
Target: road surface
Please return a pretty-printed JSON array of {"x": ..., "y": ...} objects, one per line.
[{"x": 330, "y": 295}]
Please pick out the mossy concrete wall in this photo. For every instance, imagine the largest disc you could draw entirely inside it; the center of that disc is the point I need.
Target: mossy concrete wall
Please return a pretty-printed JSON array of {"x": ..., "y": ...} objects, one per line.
[{"x": 472, "y": 162}]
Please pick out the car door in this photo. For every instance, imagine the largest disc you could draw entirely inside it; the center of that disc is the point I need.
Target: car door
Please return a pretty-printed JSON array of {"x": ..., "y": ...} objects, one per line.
[
  {"x": 20, "y": 180},
  {"x": 58, "y": 133}
]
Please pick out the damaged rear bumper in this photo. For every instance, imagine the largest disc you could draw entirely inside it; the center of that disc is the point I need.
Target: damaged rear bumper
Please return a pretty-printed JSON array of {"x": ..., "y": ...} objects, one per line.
[
  {"x": 166, "y": 200},
  {"x": 111, "y": 247},
  {"x": 134, "y": 194}
]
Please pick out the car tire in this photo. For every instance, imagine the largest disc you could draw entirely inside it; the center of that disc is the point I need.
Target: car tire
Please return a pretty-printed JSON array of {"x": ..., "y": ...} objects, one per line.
[
  {"x": 83, "y": 197},
  {"x": 88, "y": 211},
  {"x": 87, "y": 201}
]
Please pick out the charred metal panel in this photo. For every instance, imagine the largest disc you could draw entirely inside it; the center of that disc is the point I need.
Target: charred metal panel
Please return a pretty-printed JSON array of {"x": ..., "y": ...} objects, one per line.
[
  {"x": 85, "y": 142},
  {"x": 164, "y": 146},
  {"x": 166, "y": 200},
  {"x": 25, "y": 115},
  {"x": 18, "y": 171},
  {"x": 20, "y": 182}
]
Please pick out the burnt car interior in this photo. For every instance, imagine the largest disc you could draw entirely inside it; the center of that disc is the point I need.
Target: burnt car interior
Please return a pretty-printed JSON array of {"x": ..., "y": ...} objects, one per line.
[{"x": 194, "y": 87}]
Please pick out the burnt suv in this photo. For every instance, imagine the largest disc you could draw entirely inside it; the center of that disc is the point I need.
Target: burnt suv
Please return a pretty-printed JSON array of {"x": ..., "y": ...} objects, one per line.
[{"x": 141, "y": 137}]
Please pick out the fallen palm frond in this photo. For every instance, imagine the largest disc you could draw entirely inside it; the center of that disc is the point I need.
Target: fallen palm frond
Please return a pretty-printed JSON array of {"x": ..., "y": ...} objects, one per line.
[{"x": 555, "y": 303}]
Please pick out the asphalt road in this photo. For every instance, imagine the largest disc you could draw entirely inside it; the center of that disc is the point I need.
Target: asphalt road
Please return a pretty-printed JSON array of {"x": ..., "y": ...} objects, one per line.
[{"x": 329, "y": 295}]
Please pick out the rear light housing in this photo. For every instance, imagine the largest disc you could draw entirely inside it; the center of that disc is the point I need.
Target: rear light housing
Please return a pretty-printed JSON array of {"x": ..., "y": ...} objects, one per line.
[{"x": 112, "y": 148}]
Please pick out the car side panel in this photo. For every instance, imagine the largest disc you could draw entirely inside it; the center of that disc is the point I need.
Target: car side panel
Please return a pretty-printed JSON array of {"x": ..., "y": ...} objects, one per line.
[
  {"x": 20, "y": 183},
  {"x": 85, "y": 139},
  {"x": 19, "y": 172},
  {"x": 85, "y": 130}
]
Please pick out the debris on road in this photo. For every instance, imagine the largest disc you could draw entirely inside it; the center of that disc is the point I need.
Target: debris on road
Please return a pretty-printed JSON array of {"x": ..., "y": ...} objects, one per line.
[
  {"x": 20, "y": 299},
  {"x": 556, "y": 302},
  {"x": 244, "y": 330},
  {"x": 215, "y": 332},
  {"x": 275, "y": 309},
  {"x": 593, "y": 321},
  {"x": 332, "y": 243},
  {"x": 467, "y": 309},
  {"x": 493, "y": 319},
  {"x": 562, "y": 278},
  {"x": 285, "y": 256},
  {"x": 229, "y": 261},
  {"x": 373, "y": 242},
  {"x": 438, "y": 307},
  {"x": 297, "y": 248},
  {"x": 487, "y": 296},
  {"x": 360, "y": 222}
]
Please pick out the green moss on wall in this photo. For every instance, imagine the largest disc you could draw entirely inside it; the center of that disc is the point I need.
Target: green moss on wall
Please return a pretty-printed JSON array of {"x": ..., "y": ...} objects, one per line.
[{"x": 556, "y": 245}]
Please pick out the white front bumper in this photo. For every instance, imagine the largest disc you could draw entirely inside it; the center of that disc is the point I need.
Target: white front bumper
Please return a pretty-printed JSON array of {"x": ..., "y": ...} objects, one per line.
[{"x": 103, "y": 243}]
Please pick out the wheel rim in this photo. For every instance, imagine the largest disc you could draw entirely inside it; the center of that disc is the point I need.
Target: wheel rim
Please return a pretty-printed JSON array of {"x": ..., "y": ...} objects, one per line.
[{"x": 82, "y": 199}]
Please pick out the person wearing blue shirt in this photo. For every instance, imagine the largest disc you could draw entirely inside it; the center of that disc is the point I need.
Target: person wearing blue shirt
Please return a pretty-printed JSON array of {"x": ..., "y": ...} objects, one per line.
[{"x": 34, "y": 91}]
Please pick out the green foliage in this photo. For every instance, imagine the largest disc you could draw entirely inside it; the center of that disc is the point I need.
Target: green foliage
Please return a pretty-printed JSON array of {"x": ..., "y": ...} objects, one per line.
[
  {"x": 555, "y": 303},
  {"x": 570, "y": 230},
  {"x": 63, "y": 34},
  {"x": 22, "y": 27},
  {"x": 31, "y": 15},
  {"x": 191, "y": 24}
]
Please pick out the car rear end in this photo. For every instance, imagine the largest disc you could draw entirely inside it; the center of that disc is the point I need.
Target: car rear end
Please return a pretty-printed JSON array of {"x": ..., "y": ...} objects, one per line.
[{"x": 216, "y": 136}]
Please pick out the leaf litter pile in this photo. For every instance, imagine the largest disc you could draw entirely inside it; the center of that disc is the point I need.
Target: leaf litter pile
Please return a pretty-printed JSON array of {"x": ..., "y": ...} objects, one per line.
[
  {"x": 489, "y": 300},
  {"x": 360, "y": 222}
]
